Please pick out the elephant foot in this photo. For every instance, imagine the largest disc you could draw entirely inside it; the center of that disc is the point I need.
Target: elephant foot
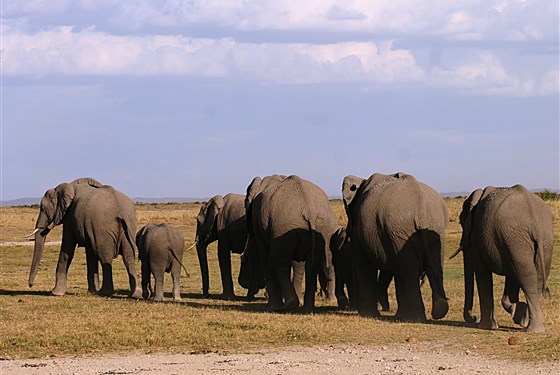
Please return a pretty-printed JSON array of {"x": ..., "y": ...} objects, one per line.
[
  {"x": 291, "y": 304},
  {"x": 369, "y": 312},
  {"x": 205, "y": 293},
  {"x": 440, "y": 307},
  {"x": 136, "y": 294},
  {"x": 274, "y": 306},
  {"x": 469, "y": 317},
  {"x": 410, "y": 316},
  {"x": 58, "y": 292},
  {"x": 105, "y": 292},
  {"x": 157, "y": 299},
  {"x": 146, "y": 294},
  {"x": 228, "y": 296},
  {"x": 535, "y": 327},
  {"x": 177, "y": 299},
  {"x": 342, "y": 302},
  {"x": 521, "y": 314},
  {"x": 92, "y": 290},
  {"x": 489, "y": 324}
]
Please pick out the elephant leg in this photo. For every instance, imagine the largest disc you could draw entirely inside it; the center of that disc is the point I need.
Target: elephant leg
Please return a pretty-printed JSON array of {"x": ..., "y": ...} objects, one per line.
[
  {"x": 128, "y": 260},
  {"x": 510, "y": 302},
  {"x": 383, "y": 282},
  {"x": 282, "y": 273},
  {"x": 366, "y": 283},
  {"x": 146, "y": 279},
  {"x": 224, "y": 259},
  {"x": 407, "y": 286},
  {"x": 341, "y": 298},
  {"x": 310, "y": 287},
  {"x": 331, "y": 286},
  {"x": 528, "y": 280},
  {"x": 92, "y": 264},
  {"x": 65, "y": 256},
  {"x": 107, "y": 288},
  {"x": 158, "y": 283},
  {"x": 298, "y": 270},
  {"x": 176, "y": 276},
  {"x": 485, "y": 288}
]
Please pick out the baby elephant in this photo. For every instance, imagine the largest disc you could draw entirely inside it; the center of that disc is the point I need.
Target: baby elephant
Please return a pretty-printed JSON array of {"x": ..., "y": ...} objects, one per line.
[{"x": 160, "y": 249}]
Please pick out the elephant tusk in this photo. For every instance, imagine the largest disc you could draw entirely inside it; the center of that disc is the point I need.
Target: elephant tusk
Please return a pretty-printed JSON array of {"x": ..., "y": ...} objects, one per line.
[
  {"x": 193, "y": 245},
  {"x": 32, "y": 233},
  {"x": 456, "y": 252}
]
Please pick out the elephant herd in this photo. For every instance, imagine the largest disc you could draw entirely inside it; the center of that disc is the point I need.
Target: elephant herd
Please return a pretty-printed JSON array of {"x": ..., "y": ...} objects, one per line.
[{"x": 286, "y": 231}]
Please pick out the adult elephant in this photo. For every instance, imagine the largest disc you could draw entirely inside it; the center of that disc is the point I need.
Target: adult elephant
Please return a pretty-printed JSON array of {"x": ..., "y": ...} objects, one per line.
[
  {"x": 396, "y": 224},
  {"x": 221, "y": 219},
  {"x": 94, "y": 216},
  {"x": 507, "y": 231},
  {"x": 292, "y": 220}
]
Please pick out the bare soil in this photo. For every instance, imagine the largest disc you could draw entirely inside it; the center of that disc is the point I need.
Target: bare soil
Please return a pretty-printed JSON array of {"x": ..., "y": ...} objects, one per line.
[{"x": 408, "y": 358}]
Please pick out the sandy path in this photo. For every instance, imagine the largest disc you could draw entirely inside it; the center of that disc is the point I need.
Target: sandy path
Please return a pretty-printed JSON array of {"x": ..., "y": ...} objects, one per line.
[{"x": 336, "y": 359}]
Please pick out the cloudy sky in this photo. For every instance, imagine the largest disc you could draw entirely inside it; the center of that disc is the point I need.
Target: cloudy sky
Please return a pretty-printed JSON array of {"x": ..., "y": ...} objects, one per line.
[{"x": 195, "y": 98}]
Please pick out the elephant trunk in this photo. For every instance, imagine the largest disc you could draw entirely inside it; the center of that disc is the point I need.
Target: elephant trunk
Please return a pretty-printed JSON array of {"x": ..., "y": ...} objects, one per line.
[
  {"x": 468, "y": 270},
  {"x": 203, "y": 261},
  {"x": 40, "y": 238},
  {"x": 440, "y": 306}
]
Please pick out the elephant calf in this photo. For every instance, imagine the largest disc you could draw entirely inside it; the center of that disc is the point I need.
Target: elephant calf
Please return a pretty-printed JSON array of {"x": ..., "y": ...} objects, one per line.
[{"x": 161, "y": 249}]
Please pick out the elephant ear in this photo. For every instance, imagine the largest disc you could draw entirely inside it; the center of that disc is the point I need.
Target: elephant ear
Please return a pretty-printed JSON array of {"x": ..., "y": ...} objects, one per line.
[
  {"x": 210, "y": 214},
  {"x": 466, "y": 216},
  {"x": 253, "y": 190},
  {"x": 338, "y": 240},
  {"x": 350, "y": 186},
  {"x": 87, "y": 180},
  {"x": 64, "y": 196}
]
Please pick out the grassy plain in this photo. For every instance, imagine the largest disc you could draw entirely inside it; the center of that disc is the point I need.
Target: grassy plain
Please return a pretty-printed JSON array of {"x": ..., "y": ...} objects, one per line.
[{"x": 35, "y": 324}]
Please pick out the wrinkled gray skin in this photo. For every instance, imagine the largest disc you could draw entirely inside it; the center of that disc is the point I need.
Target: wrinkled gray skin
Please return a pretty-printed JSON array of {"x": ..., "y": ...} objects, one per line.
[
  {"x": 94, "y": 216},
  {"x": 342, "y": 262},
  {"x": 221, "y": 219},
  {"x": 292, "y": 220},
  {"x": 396, "y": 224},
  {"x": 160, "y": 248},
  {"x": 506, "y": 231}
]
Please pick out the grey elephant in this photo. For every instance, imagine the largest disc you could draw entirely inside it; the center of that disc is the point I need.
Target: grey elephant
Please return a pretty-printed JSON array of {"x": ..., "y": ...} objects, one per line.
[
  {"x": 160, "y": 248},
  {"x": 221, "y": 219},
  {"x": 507, "y": 231},
  {"x": 342, "y": 262},
  {"x": 292, "y": 220},
  {"x": 396, "y": 224},
  {"x": 94, "y": 216}
]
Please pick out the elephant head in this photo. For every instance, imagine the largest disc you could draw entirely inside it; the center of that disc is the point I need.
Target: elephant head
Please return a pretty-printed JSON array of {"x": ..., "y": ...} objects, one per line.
[
  {"x": 466, "y": 220},
  {"x": 350, "y": 186},
  {"x": 207, "y": 219},
  {"x": 54, "y": 205},
  {"x": 208, "y": 224}
]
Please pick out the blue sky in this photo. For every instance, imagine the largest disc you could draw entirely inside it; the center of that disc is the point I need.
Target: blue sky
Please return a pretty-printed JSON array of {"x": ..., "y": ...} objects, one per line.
[{"x": 195, "y": 98}]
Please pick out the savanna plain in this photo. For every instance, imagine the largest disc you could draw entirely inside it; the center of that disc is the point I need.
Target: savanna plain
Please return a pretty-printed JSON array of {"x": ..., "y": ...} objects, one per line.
[{"x": 35, "y": 324}]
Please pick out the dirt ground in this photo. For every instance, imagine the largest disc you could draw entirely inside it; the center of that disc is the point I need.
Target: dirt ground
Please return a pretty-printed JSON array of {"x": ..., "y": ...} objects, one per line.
[{"x": 409, "y": 358}]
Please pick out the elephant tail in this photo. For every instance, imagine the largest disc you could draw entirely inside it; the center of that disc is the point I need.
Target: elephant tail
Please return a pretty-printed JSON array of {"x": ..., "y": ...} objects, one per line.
[
  {"x": 179, "y": 260},
  {"x": 541, "y": 269},
  {"x": 130, "y": 237}
]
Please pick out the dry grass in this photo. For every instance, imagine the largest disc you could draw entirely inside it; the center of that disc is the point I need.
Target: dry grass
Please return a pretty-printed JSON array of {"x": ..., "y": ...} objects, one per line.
[{"x": 35, "y": 324}]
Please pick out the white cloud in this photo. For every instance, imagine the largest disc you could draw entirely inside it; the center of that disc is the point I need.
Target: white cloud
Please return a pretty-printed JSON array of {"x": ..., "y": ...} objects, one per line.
[
  {"x": 469, "y": 19},
  {"x": 64, "y": 51}
]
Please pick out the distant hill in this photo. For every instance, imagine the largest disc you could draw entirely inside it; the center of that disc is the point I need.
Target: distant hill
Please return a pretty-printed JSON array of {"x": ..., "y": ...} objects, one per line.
[
  {"x": 20, "y": 202},
  {"x": 36, "y": 201},
  {"x": 168, "y": 200}
]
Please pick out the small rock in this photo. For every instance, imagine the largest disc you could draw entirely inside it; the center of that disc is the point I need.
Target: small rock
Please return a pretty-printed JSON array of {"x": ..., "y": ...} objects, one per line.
[
  {"x": 513, "y": 340},
  {"x": 441, "y": 368},
  {"x": 411, "y": 339}
]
